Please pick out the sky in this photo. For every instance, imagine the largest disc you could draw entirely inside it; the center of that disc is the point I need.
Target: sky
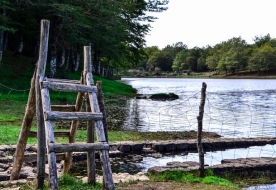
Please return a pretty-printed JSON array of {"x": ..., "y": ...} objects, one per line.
[{"x": 209, "y": 22}]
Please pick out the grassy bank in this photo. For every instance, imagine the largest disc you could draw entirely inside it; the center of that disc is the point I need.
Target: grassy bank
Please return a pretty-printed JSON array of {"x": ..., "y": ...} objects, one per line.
[{"x": 245, "y": 74}]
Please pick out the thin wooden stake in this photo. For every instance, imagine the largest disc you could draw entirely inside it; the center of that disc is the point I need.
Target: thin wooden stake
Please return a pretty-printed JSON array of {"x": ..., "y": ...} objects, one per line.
[{"x": 199, "y": 133}]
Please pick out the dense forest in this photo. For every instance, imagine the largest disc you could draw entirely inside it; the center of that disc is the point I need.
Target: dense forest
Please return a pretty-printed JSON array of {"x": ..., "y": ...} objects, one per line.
[
  {"x": 115, "y": 29},
  {"x": 116, "y": 32}
]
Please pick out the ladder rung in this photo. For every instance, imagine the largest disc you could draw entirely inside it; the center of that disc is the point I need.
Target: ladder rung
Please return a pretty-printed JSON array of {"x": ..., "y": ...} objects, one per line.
[
  {"x": 77, "y": 147},
  {"x": 58, "y": 86},
  {"x": 63, "y": 81},
  {"x": 56, "y": 134},
  {"x": 52, "y": 115},
  {"x": 64, "y": 108}
]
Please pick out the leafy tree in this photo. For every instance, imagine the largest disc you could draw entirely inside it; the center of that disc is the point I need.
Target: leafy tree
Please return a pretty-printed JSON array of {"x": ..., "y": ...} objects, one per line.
[
  {"x": 263, "y": 58},
  {"x": 261, "y": 40}
]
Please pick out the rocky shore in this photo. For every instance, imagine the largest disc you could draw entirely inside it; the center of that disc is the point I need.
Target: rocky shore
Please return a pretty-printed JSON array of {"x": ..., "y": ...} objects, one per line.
[{"x": 133, "y": 152}]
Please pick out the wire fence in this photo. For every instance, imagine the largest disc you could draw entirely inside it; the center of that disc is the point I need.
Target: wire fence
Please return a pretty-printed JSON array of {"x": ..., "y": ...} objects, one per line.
[{"x": 233, "y": 119}]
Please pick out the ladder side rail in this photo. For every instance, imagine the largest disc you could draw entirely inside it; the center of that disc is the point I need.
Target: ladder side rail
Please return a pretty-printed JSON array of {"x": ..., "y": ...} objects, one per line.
[
  {"x": 106, "y": 168},
  {"x": 24, "y": 133},
  {"x": 40, "y": 72},
  {"x": 91, "y": 162},
  {"x": 50, "y": 138}
]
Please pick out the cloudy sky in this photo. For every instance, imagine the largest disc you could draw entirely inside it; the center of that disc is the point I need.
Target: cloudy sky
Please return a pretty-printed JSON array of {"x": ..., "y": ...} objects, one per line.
[{"x": 208, "y": 22}]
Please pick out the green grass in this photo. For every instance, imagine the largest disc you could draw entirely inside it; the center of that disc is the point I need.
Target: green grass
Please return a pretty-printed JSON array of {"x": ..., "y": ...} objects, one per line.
[
  {"x": 10, "y": 135},
  {"x": 66, "y": 182},
  {"x": 190, "y": 177}
]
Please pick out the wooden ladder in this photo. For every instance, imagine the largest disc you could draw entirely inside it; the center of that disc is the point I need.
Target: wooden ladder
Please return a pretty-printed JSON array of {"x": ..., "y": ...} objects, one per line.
[{"x": 46, "y": 114}]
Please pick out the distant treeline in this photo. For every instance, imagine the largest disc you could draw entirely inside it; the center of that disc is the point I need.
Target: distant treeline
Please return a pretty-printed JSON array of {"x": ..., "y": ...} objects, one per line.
[{"x": 231, "y": 56}]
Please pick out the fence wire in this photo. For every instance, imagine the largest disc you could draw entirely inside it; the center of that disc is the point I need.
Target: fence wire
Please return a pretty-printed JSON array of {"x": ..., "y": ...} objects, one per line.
[{"x": 239, "y": 118}]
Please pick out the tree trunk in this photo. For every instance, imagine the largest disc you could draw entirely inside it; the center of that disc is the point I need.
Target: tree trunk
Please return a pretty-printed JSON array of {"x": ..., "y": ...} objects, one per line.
[
  {"x": 73, "y": 59},
  {"x": 1, "y": 45},
  {"x": 99, "y": 63},
  {"x": 62, "y": 58},
  {"x": 20, "y": 45},
  {"x": 77, "y": 63},
  {"x": 53, "y": 62},
  {"x": 5, "y": 40},
  {"x": 67, "y": 60}
]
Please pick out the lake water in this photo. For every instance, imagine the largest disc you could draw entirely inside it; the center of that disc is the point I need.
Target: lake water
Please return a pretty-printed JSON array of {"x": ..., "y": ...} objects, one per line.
[{"x": 234, "y": 107}]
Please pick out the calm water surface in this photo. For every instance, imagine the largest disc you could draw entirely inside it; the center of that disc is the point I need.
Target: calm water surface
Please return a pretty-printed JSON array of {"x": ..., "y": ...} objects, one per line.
[{"x": 233, "y": 108}]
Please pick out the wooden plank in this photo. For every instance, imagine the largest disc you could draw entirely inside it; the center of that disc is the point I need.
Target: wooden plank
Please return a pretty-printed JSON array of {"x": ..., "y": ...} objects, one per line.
[
  {"x": 106, "y": 168},
  {"x": 50, "y": 138},
  {"x": 24, "y": 133},
  {"x": 77, "y": 147},
  {"x": 41, "y": 65},
  {"x": 91, "y": 163},
  {"x": 56, "y": 134},
  {"x": 41, "y": 140},
  {"x": 63, "y": 108},
  {"x": 72, "y": 116},
  {"x": 63, "y": 80},
  {"x": 95, "y": 108},
  {"x": 68, "y": 87}
]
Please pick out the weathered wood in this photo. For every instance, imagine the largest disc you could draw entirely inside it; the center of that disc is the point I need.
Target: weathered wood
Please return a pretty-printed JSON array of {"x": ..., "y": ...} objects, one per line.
[
  {"x": 24, "y": 133},
  {"x": 77, "y": 147},
  {"x": 95, "y": 108},
  {"x": 106, "y": 168},
  {"x": 68, "y": 87},
  {"x": 91, "y": 162},
  {"x": 41, "y": 65},
  {"x": 63, "y": 81},
  {"x": 107, "y": 173},
  {"x": 199, "y": 133},
  {"x": 50, "y": 139},
  {"x": 41, "y": 140},
  {"x": 63, "y": 108},
  {"x": 56, "y": 133},
  {"x": 52, "y": 170},
  {"x": 102, "y": 108},
  {"x": 72, "y": 116}
]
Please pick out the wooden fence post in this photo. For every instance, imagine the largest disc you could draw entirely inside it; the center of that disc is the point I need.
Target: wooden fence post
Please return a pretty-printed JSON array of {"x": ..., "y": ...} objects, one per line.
[
  {"x": 91, "y": 162},
  {"x": 41, "y": 138},
  {"x": 199, "y": 133}
]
